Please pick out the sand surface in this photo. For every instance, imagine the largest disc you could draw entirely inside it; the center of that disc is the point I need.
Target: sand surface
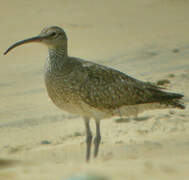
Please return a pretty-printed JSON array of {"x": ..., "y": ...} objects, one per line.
[{"x": 146, "y": 39}]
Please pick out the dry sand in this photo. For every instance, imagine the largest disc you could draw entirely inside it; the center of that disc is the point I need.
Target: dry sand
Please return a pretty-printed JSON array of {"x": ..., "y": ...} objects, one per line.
[{"x": 146, "y": 39}]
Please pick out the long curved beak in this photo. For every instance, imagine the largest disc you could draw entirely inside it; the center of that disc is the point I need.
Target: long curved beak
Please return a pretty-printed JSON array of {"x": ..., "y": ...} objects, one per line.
[{"x": 33, "y": 39}]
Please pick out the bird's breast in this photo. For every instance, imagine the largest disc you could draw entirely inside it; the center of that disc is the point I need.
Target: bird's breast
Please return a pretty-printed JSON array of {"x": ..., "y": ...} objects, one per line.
[{"x": 63, "y": 90}]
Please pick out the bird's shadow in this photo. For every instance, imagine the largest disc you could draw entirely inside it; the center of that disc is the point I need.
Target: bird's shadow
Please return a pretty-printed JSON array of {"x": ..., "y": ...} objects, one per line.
[
  {"x": 126, "y": 120},
  {"x": 5, "y": 163}
]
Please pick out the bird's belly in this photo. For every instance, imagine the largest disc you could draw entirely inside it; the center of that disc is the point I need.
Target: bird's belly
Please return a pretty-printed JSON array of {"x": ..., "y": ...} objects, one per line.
[
  {"x": 64, "y": 100},
  {"x": 72, "y": 103},
  {"x": 81, "y": 108}
]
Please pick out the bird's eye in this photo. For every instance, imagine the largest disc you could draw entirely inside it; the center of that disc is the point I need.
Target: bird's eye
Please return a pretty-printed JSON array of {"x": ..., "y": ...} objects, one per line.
[{"x": 53, "y": 34}]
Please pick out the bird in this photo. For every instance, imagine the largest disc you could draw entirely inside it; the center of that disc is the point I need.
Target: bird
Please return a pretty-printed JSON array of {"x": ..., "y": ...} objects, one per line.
[{"x": 94, "y": 91}]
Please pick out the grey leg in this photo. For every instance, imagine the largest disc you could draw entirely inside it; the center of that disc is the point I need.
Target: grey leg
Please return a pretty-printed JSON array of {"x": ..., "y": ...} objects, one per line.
[
  {"x": 88, "y": 138},
  {"x": 97, "y": 138}
]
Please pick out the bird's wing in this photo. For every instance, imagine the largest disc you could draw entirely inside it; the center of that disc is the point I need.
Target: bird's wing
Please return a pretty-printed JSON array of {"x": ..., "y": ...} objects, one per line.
[{"x": 108, "y": 88}]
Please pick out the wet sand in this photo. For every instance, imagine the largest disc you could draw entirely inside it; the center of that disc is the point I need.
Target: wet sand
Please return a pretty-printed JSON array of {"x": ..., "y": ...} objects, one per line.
[{"x": 148, "y": 40}]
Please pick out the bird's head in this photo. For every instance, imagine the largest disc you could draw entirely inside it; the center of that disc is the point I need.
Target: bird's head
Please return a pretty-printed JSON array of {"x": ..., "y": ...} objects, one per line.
[{"x": 53, "y": 37}]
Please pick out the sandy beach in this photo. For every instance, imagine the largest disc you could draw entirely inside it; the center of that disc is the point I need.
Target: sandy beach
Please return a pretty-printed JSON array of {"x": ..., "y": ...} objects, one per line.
[{"x": 148, "y": 40}]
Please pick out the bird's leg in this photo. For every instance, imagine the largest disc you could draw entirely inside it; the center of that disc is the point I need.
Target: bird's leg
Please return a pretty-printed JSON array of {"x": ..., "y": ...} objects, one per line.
[
  {"x": 97, "y": 138},
  {"x": 88, "y": 138}
]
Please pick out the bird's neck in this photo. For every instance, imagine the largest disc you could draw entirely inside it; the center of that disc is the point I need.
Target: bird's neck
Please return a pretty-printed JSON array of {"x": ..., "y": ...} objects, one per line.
[
  {"x": 57, "y": 58},
  {"x": 58, "y": 53}
]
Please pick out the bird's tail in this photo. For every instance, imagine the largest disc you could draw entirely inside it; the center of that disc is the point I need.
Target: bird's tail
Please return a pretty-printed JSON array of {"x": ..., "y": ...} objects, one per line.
[{"x": 169, "y": 99}]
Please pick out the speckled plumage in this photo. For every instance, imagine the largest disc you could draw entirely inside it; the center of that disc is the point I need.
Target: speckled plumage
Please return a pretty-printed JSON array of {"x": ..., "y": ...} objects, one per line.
[
  {"x": 92, "y": 90},
  {"x": 82, "y": 83}
]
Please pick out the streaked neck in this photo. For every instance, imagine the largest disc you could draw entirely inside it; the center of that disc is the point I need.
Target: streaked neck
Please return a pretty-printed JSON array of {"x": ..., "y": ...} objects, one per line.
[
  {"x": 56, "y": 53},
  {"x": 57, "y": 58}
]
